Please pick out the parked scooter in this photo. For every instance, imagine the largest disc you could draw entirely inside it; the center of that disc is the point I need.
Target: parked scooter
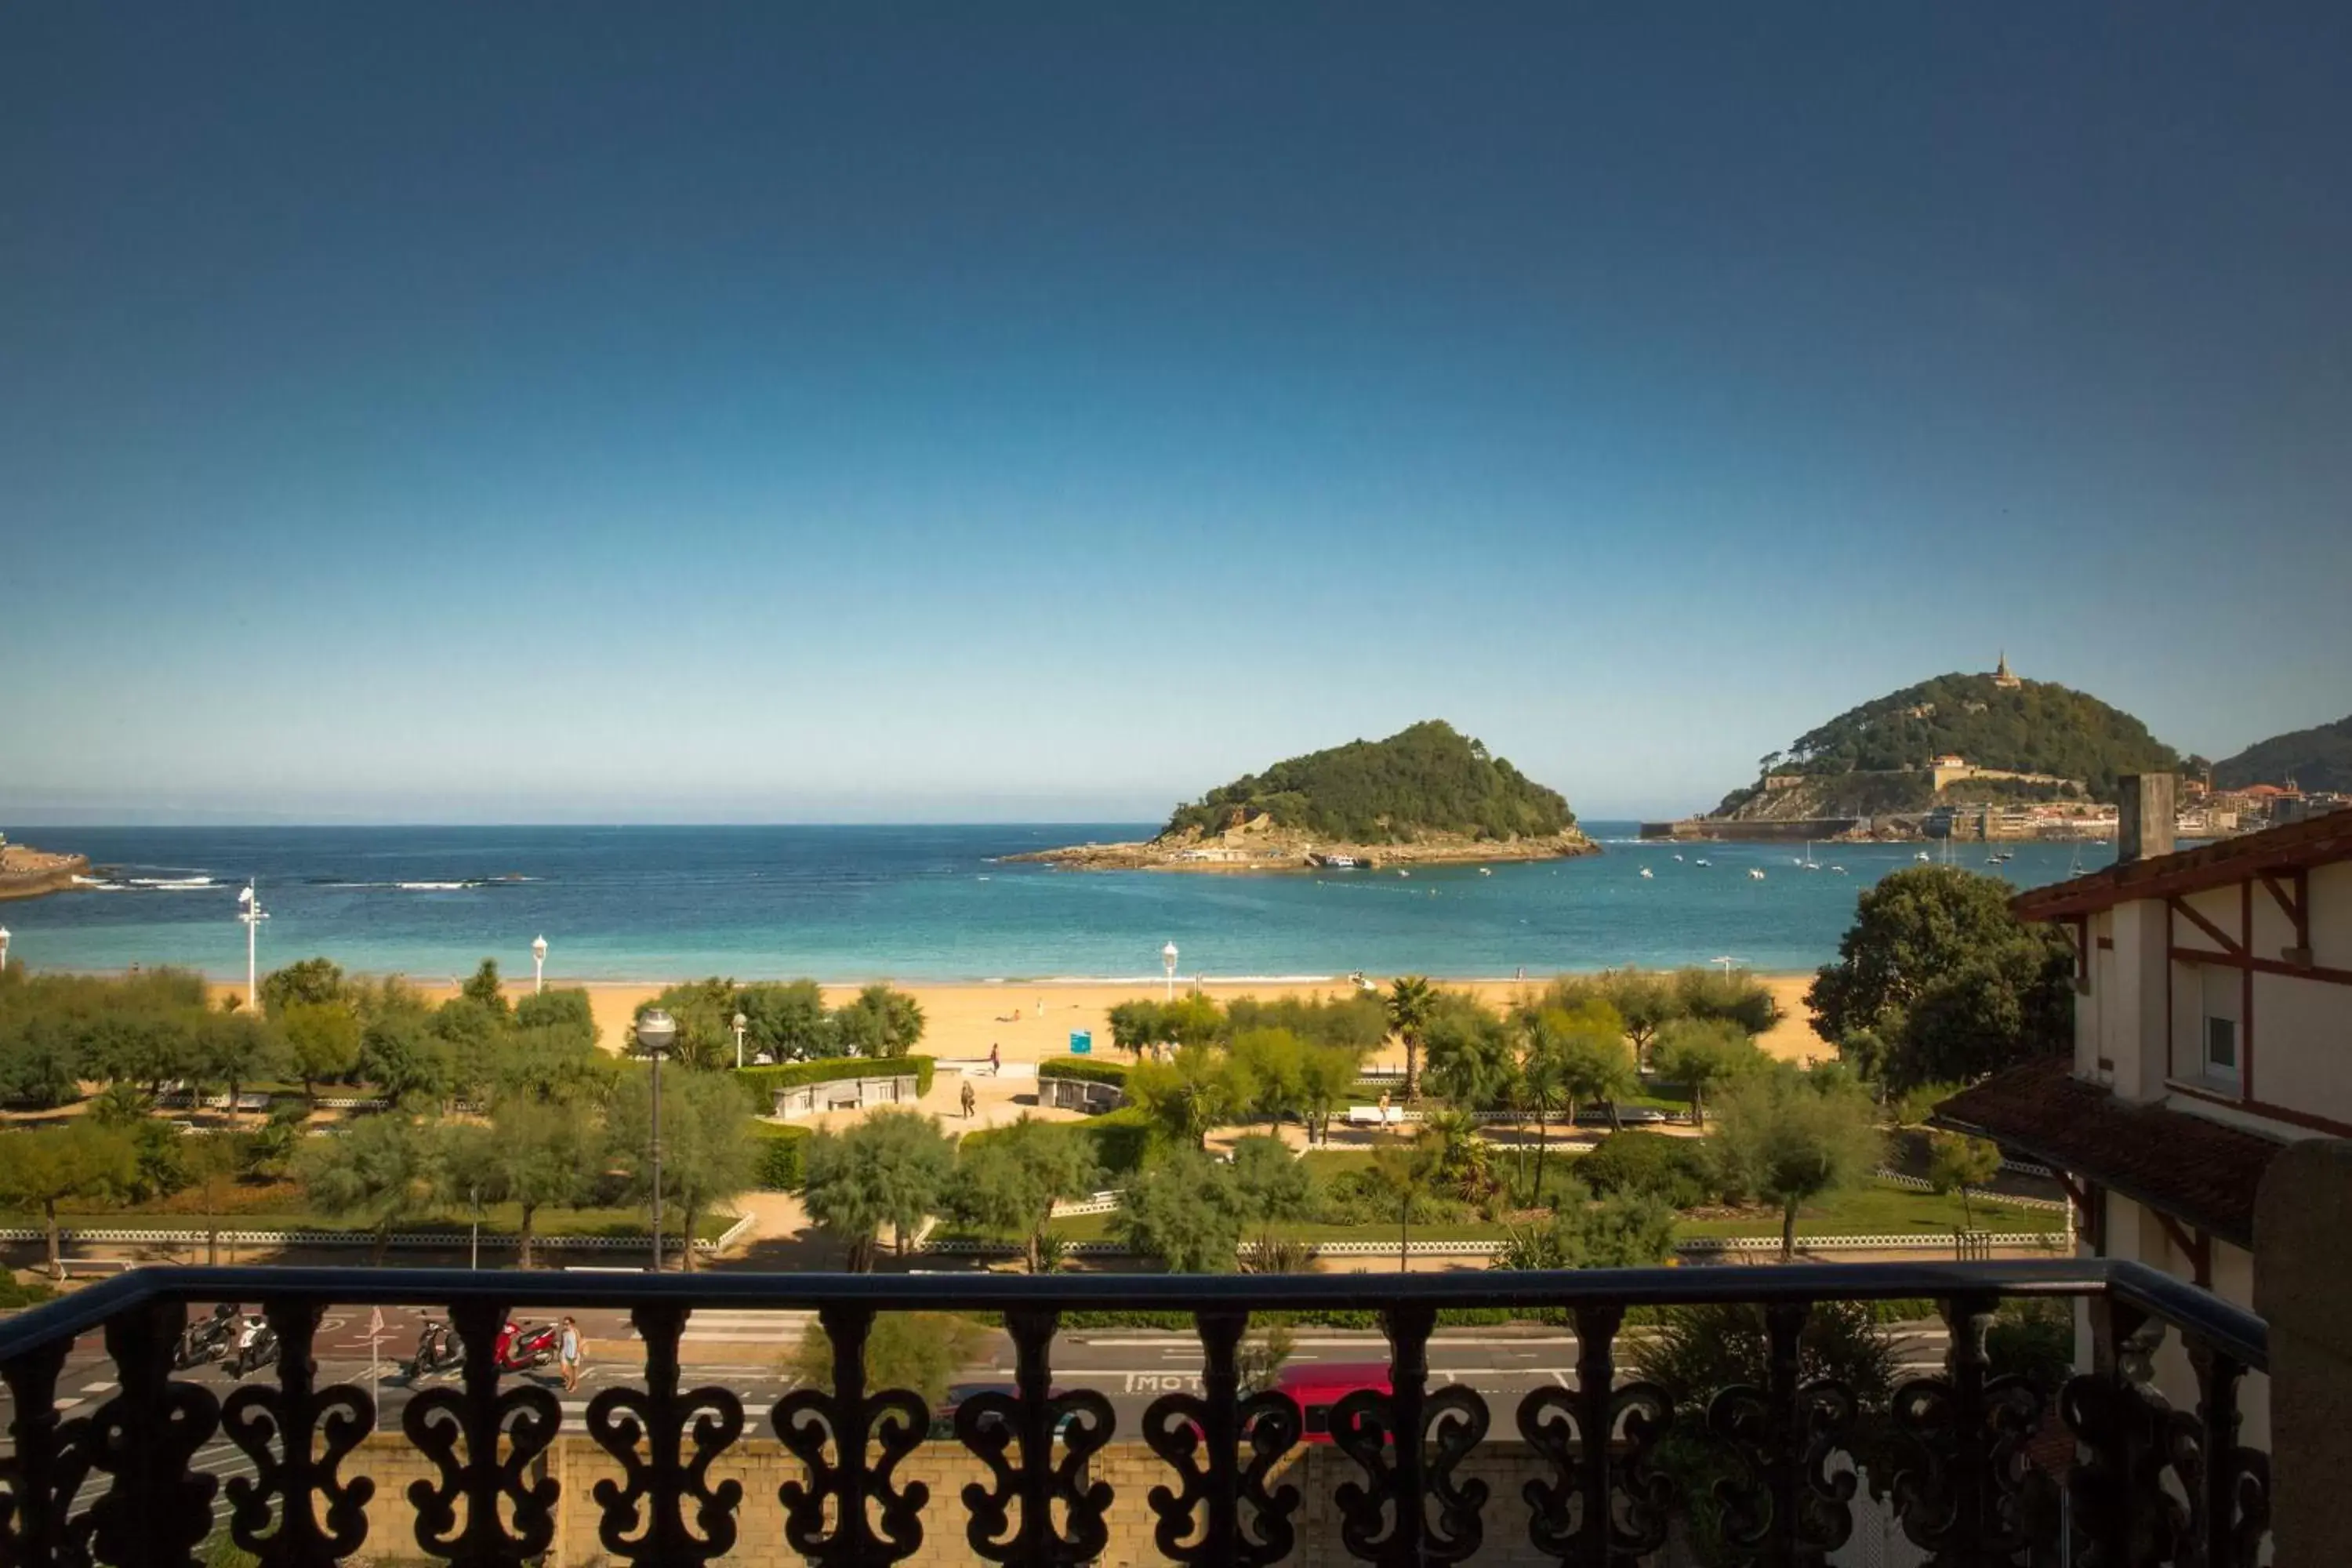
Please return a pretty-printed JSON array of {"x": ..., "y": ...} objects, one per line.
[
  {"x": 438, "y": 1349},
  {"x": 257, "y": 1346},
  {"x": 520, "y": 1349},
  {"x": 206, "y": 1341}
]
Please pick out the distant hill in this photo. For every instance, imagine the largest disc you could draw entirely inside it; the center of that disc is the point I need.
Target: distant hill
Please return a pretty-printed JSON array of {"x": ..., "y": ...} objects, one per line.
[
  {"x": 1428, "y": 779},
  {"x": 1876, "y": 757},
  {"x": 2319, "y": 758}
]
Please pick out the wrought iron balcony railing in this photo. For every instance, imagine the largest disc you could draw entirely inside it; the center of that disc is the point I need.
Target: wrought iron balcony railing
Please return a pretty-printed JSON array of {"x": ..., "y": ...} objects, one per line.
[{"x": 118, "y": 1482}]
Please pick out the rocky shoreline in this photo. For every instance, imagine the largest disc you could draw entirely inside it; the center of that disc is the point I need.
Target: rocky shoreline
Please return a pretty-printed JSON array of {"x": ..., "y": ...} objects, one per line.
[
  {"x": 27, "y": 873},
  {"x": 1256, "y": 848}
]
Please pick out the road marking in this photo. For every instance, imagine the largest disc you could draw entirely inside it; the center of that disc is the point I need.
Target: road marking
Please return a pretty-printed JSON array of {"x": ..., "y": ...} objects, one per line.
[
  {"x": 69, "y": 1404},
  {"x": 99, "y": 1387},
  {"x": 1560, "y": 1378}
]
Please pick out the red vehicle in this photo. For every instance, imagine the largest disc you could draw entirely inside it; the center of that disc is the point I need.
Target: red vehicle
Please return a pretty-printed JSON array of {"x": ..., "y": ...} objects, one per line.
[
  {"x": 1316, "y": 1386},
  {"x": 520, "y": 1349}
]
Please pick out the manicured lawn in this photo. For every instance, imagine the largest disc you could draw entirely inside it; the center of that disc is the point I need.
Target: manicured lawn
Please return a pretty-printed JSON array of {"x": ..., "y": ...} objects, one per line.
[{"x": 1882, "y": 1208}]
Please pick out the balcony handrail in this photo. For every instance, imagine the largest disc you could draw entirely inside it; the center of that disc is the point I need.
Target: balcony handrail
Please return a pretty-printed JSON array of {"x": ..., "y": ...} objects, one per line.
[{"x": 2228, "y": 1328}]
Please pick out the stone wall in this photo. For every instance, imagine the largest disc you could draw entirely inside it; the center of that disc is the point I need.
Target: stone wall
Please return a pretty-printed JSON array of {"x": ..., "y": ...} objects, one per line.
[{"x": 760, "y": 1465}]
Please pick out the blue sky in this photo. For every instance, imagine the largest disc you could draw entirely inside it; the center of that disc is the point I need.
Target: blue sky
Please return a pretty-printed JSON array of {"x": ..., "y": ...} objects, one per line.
[{"x": 447, "y": 412}]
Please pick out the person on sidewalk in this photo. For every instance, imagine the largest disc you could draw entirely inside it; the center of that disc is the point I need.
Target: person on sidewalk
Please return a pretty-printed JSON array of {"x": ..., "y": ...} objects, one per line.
[{"x": 571, "y": 1351}]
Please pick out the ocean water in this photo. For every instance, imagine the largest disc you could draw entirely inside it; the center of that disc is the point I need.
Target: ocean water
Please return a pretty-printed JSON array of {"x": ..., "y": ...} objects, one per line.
[{"x": 926, "y": 903}]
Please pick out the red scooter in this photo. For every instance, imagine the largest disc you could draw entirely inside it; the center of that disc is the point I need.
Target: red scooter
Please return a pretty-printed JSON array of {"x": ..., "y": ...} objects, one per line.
[{"x": 521, "y": 1350}]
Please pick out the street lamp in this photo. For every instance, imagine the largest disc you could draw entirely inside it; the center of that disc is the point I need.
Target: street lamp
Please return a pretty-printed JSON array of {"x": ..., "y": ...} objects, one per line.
[
  {"x": 1724, "y": 960},
  {"x": 741, "y": 1023},
  {"x": 656, "y": 1030},
  {"x": 252, "y": 917},
  {"x": 538, "y": 965},
  {"x": 1168, "y": 957},
  {"x": 3, "y": 947}
]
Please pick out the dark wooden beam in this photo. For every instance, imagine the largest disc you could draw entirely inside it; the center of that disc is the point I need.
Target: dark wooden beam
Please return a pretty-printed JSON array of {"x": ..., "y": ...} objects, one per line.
[
  {"x": 2320, "y": 973},
  {"x": 2196, "y": 1246},
  {"x": 2229, "y": 944}
]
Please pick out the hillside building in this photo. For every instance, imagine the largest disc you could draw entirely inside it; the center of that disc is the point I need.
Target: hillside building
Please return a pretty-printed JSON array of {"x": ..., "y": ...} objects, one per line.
[{"x": 2001, "y": 676}]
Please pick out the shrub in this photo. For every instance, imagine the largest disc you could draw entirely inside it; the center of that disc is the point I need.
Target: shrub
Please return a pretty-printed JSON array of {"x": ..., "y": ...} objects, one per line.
[
  {"x": 760, "y": 1084},
  {"x": 1119, "y": 1138},
  {"x": 1085, "y": 1069},
  {"x": 779, "y": 1157},
  {"x": 1649, "y": 1163}
]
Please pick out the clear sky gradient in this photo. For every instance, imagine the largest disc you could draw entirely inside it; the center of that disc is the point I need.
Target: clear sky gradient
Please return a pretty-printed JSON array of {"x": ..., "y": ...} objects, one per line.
[{"x": 460, "y": 412}]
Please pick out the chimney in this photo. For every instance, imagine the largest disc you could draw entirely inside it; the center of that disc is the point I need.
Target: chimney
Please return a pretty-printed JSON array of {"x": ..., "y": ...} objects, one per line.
[{"x": 2144, "y": 817}]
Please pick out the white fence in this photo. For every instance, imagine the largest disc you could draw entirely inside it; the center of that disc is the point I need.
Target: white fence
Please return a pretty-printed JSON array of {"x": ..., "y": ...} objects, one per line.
[
  {"x": 1697, "y": 1249},
  {"x": 126, "y": 1236},
  {"x": 1919, "y": 1184}
]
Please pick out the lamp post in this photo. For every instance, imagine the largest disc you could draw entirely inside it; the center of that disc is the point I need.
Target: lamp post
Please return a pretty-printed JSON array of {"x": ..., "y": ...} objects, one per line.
[
  {"x": 538, "y": 965},
  {"x": 656, "y": 1030},
  {"x": 251, "y": 915},
  {"x": 741, "y": 1023},
  {"x": 1168, "y": 958},
  {"x": 3, "y": 947},
  {"x": 1724, "y": 960}
]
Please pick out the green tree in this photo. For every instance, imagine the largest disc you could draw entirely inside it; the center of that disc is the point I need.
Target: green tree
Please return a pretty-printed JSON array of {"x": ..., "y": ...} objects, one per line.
[
  {"x": 1460, "y": 1162},
  {"x": 706, "y": 1156},
  {"x": 215, "y": 1161},
  {"x": 569, "y": 1010},
  {"x": 323, "y": 1040},
  {"x": 122, "y": 1106},
  {"x": 1136, "y": 1024},
  {"x": 1621, "y": 1230},
  {"x": 786, "y": 1021},
  {"x": 1327, "y": 1073},
  {"x": 1701, "y": 1054},
  {"x": 1400, "y": 1173},
  {"x": 382, "y": 1171},
  {"x": 704, "y": 1012},
  {"x": 1274, "y": 1061},
  {"x": 401, "y": 1055},
  {"x": 1007, "y": 1181},
  {"x": 555, "y": 1065},
  {"x": 894, "y": 1168},
  {"x": 1200, "y": 1090},
  {"x": 79, "y": 1162},
  {"x": 473, "y": 1037},
  {"x": 271, "y": 1151},
  {"x": 881, "y": 1021},
  {"x": 1954, "y": 985},
  {"x": 541, "y": 1155},
  {"x": 1473, "y": 1059},
  {"x": 921, "y": 1351},
  {"x": 1789, "y": 1142},
  {"x": 1184, "y": 1209},
  {"x": 235, "y": 1050},
  {"x": 1957, "y": 1165},
  {"x": 1272, "y": 1183},
  {"x": 486, "y": 990},
  {"x": 1735, "y": 997},
  {"x": 317, "y": 982},
  {"x": 1540, "y": 1085},
  {"x": 1595, "y": 1062},
  {"x": 1410, "y": 999},
  {"x": 1644, "y": 999},
  {"x": 1695, "y": 1353}
]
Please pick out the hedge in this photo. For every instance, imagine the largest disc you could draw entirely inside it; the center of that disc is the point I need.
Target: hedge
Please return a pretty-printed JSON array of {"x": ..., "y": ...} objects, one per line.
[
  {"x": 1119, "y": 1138},
  {"x": 1083, "y": 1068},
  {"x": 760, "y": 1084},
  {"x": 780, "y": 1156}
]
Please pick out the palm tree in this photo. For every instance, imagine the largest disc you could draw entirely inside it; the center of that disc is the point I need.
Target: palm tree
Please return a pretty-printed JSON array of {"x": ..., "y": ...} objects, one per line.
[
  {"x": 1542, "y": 1088},
  {"x": 1408, "y": 1005}
]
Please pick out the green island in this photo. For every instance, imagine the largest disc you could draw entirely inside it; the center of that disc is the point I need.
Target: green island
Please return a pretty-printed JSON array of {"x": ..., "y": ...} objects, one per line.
[
  {"x": 2317, "y": 759},
  {"x": 1426, "y": 793}
]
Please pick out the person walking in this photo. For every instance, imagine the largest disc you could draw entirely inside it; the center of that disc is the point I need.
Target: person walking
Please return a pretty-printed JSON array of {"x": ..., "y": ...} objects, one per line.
[
  {"x": 969, "y": 1099},
  {"x": 996, "y": 1062},
  {"x": 571, "y": 1351}
]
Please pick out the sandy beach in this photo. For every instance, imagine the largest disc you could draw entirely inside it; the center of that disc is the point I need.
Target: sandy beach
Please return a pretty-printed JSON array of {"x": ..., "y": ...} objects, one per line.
[{"x": 1032, "y": 1022}]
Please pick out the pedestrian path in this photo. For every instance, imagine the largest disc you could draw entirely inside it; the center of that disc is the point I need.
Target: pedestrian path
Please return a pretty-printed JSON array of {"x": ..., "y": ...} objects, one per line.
[{"x": 777, "y": 1328}]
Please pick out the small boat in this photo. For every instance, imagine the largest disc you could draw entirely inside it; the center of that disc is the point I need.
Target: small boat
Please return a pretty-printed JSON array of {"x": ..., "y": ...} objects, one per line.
[
  {"x": 1923, "y": 857},
  {"x": 1341, "y": 863},
  {"x": 1678, "y": 854},
  {"x": 1755, "y": 873},
  {"x": 1485, "y": 870},
  {"x": 1403, "y": 872},
  {"x": 1702, "y": 860},
  {"x": 1839, "y": 869},
  {"x": 1646, "y": 871}
]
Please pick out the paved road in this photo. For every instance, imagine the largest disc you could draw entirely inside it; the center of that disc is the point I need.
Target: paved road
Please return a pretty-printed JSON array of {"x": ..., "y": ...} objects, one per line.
[{"x": 744, "y": 1351}]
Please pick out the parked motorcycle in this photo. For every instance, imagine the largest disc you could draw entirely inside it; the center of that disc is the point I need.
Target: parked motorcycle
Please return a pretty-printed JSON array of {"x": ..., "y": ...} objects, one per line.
[
  {"x": 438, "y": 1349},
  {"x": 257, "y": 1346},
  {"x": 520, "y": 1349},
  {"x": 206, "y": 1341}
]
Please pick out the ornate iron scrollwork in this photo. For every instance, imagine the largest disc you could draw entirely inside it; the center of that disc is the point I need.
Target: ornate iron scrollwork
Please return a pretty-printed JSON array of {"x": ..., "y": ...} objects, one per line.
[
  {"x": 1037, "y": 1418},
  {"x": 644, "y": 1513},
  {"x": 297, "y": 1438},
  {"x": 1386, "y": 1520},
  {"x": 892, "y": 1423},
  {"x": 157, "y": 1512},
  {"x": 1203, "y": 1438},
  {"x": 1787, "y": 1507},
  {"x": 1602, "y": 1512},
  {"x": 2122, "y": 1510},
  {"x": 2229, "y": 1486},
  {"x": 44, "y": 1465},
  {"x": 1964, "y": 1497},
  {"x": 477, "y": 1415}
]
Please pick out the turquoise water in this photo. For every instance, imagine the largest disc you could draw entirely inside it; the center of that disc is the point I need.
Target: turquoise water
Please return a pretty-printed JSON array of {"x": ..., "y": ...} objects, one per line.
[{"x": 924, "y": 903}]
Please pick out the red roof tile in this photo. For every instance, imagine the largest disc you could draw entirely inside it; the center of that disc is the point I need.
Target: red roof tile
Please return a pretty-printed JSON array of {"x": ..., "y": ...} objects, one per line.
[
  {"x": 2194, "y": 1168},
  {"x": 2315, "y": 841}
]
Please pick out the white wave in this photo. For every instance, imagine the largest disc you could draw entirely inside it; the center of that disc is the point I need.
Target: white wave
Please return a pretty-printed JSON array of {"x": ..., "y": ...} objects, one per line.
[
  {"x": 434, "y": 887},
  {"x": 171, "y": 884}
]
